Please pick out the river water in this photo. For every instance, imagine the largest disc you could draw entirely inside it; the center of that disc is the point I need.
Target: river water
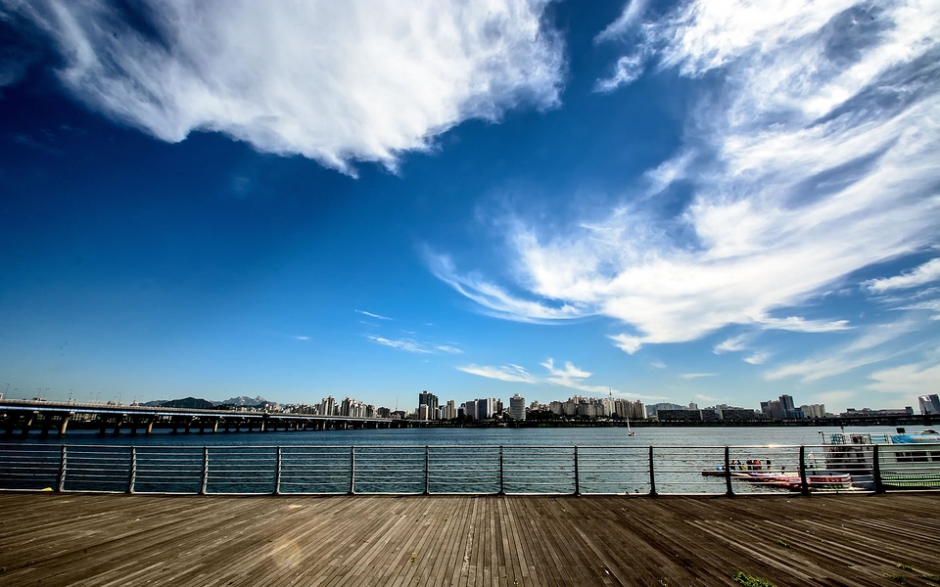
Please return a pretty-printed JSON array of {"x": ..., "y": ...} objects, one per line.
[{"x": 413, "y": 460}]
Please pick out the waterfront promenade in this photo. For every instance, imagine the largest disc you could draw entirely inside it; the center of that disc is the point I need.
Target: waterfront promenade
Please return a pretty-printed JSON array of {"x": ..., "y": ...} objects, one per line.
[{"x": 81, "y": 539}]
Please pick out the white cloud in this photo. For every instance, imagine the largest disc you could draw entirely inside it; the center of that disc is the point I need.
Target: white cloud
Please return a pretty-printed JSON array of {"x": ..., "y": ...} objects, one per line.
[
  {"x": 697, "y": 375},
  {"x": 332, "y": 81},
  {"x": 929, "y": 305},
  {"x": 301, "y": 338},
  {"x": 658, "y": 364},
  {"x": 511, "y": 373},
  {"x": 572, "y": 377},
  {"x": 449, "y": 349},
  {"x": 866, "y": 349},
  {"x": 371, "y": 315},
  {"x": 731, "y": 345},
  {"x": 757, "y": 358},
  {"x": 815, "y": 141},
  {"x": 798, "y": 324},
  {"x": 626, "y": 343},
  {"x": 632, "y": 12},
  {"x": 914, "y": 379},
  {"x": 494, "y": 300},
  {"x": 926, "y": 273},
  {"x": 629, "y": 68},
  {"x": 407, "y": 345}
]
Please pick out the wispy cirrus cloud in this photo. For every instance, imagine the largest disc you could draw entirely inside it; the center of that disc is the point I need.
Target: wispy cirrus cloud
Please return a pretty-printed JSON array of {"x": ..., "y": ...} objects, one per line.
[
  {"x": 632, "y": 12},
  {"x": 403, "y": 344},
  {"x": 731, "y": 345},
  {"x": 799, "y": 324},
  {"x": 922, "y": 275},
  {"x": 445, "y": 348},
  {"x": 511, "y": 373},
  {"x": 697, "y": 375},
  {"x": 757, "y": 358},
  {"x": 568, "y": 375},
  {"x": 371, "y": 315},
  {"x": 815, "y": 145},
  {"x": 334, "y": 82},
  {"x": 870, "y": 347},
  {"x": 571, "y": 377},
  {"x": 911, "y": 379}
]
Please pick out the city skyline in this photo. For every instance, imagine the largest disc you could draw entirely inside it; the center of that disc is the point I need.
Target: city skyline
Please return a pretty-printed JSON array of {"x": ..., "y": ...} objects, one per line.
[{"x": 670, "y": 201}]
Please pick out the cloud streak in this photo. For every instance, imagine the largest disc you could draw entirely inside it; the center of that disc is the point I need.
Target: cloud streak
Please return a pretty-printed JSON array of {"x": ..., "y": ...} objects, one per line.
[
  {"x": 511, "y": 373},
  {"x": 407, "y": 345},
  {"x": 868, "y": 348},
  {"x": 376, "y": 316},
  {"x": 815, "y": 157},
  {"x": 332, "y": 81},
  {"x": 926, "y": 273}
]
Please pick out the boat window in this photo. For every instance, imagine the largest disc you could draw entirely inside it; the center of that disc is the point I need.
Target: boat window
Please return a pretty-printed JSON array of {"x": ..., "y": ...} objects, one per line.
[{"x": 919, "y": 456}]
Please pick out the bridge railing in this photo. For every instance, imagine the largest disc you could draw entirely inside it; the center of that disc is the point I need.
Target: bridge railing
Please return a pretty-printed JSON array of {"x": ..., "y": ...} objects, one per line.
[{"x": 468, "y": 469}]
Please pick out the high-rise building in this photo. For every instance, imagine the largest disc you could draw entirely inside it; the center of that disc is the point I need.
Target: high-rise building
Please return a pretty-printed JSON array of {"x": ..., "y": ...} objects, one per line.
[
  {"x": 813, "y": 411},
  {"x": 328, "y": 406},
  {"x": 929, "y": 404},
  {"x": 517, "y": 407},
  {"x": 449, "y": 412},
  {"x": 429, "y": 400},
  {"x": 485, "y": 408}
]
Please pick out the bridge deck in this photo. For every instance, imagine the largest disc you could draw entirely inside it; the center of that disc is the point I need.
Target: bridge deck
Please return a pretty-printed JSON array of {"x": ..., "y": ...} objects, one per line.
[{"x": 76, "y": 539}]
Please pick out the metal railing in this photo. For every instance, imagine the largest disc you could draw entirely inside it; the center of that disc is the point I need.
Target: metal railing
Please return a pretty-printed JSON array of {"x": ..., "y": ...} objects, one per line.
[{"x": 469, "y": 469}]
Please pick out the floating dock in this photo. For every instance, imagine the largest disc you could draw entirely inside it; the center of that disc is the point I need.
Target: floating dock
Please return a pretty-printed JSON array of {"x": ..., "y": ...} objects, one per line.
[{"x": 51, "y": 539}]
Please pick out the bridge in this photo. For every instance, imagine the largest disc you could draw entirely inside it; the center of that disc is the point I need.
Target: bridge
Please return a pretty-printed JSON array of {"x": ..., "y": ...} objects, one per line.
[{"x": 47, "y": 416}]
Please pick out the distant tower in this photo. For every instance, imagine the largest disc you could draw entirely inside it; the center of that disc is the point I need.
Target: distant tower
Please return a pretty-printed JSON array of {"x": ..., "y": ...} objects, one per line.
[
  {"x": 429, "y": 400},
  {"x": 517, "y": 408}
]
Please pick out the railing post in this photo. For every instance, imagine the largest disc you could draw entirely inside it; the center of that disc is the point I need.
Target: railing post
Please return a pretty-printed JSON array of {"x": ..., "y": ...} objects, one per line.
[
  {"x": 577, "y": 475},
  {"x": 60, "y": 482},
  {"x": 652, "y": 474},
  {"x": 502, "y": 488},
  {"x": 205, "y": 470},
  {"x": 277, "y": 473},
  {"x": 876, "y": 470},
  {"x": 427, "y": 470},
  {"x": 729, "y": 492},
  {"x": 132, "y": 474},
  {"x": 352, "y": 470},
  {"x": 804, "y": 485}
]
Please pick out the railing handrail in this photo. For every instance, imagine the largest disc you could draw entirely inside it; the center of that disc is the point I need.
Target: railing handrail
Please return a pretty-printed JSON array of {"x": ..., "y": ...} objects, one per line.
[{"x": 429, "y": 468}]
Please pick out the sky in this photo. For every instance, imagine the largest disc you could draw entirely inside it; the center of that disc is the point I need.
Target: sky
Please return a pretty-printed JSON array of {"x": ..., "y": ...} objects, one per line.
[{"x": 718, "y": 202}]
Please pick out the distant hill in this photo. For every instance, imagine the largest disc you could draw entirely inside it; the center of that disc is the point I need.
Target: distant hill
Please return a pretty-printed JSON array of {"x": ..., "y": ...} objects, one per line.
[
  {"x": 157, "y": 403},
  {"x": 193, "y": 403},
  {"x": 245, "y": 401}
]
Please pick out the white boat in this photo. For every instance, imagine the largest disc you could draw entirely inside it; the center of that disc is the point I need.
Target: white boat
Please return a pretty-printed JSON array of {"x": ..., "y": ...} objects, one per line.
[{"x": 905, "y": 461}]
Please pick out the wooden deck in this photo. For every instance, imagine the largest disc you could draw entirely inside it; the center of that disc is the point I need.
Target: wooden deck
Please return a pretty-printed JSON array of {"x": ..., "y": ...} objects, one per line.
[{"x": 118, "y": 540}]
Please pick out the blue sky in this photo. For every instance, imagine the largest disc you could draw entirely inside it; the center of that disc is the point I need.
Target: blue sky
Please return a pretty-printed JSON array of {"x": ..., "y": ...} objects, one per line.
[{"x": 681, "y": 201}]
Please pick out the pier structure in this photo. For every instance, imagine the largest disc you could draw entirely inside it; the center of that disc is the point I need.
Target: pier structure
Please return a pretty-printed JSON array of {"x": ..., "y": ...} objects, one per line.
[
  {"x": 53, "y": 540},
  {"x": 22, "y": 417}
]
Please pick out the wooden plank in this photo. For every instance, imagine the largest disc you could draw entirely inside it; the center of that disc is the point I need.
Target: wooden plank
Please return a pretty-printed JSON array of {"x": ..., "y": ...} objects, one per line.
[{"x": 112, "y": 540}]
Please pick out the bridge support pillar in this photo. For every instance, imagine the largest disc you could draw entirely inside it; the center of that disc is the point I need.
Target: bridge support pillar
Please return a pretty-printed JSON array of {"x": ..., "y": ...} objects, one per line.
[
  {"x": 46, "y": 422},
  {"x": 150, "y": 426},
  {"x": 215, "y": 425},
  {"x": 64, "y": 423},
  {"x": 117, "y": 426},
  {"x": 27, "y": 423},
  {"x": 189, "y": 424}
]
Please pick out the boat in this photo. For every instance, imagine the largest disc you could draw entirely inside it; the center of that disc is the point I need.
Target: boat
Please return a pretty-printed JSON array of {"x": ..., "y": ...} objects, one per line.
[
  {"x": 905, "y": 461},
  {"x": 816, "y": 480}
]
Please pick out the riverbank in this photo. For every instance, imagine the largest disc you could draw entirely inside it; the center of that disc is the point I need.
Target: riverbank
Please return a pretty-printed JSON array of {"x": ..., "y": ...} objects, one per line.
[{"x": 77, "y": 539}]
